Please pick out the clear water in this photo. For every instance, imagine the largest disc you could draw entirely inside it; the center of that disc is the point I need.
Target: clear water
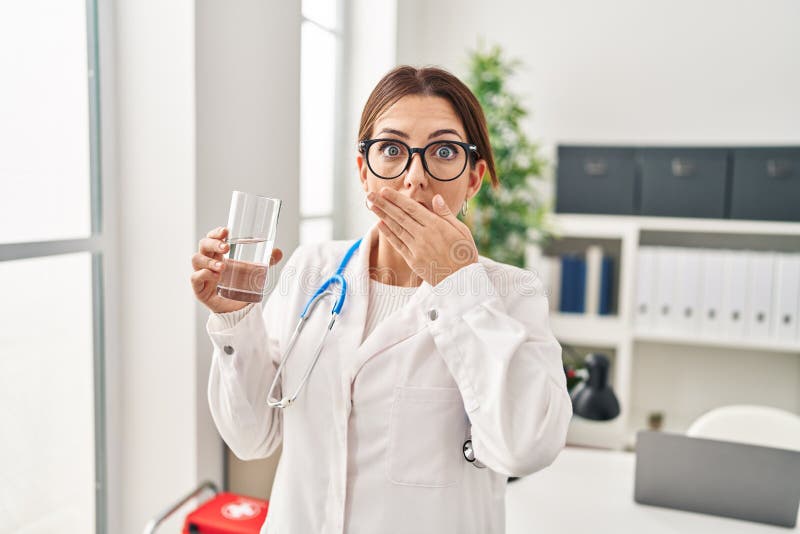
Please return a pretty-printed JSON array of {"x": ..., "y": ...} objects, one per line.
[{"x": 246, "y": 266}]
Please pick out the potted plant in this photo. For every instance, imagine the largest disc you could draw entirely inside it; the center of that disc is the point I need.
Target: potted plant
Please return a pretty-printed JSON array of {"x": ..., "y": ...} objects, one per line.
[{"x": 505, "y": 221}]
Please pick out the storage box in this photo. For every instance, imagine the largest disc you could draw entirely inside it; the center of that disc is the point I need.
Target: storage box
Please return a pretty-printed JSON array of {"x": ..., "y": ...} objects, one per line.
[
  {"x": 683, "y": 182},
  {"x": 596, "y": 180},
  {"x": 766, "y": 184}
]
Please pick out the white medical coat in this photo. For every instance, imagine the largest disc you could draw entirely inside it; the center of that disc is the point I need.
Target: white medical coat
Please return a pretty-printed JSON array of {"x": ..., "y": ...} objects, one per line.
[{"x": 373, "y": 444}]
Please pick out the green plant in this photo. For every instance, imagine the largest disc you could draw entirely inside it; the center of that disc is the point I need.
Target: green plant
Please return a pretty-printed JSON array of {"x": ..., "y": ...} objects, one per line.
[{"x": 506, "y": 219}]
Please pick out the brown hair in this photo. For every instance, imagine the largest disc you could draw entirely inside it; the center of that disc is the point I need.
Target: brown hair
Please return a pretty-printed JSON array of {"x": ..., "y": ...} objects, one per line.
[{"x": 430, "y": 81}]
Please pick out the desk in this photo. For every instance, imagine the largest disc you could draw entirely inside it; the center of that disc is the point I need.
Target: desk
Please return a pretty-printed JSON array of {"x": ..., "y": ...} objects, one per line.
[{"x": 591, "y": 491}]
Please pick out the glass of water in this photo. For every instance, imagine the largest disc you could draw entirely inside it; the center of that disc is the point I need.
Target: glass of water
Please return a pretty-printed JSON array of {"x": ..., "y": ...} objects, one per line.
[{"x": 252, "y": 225}]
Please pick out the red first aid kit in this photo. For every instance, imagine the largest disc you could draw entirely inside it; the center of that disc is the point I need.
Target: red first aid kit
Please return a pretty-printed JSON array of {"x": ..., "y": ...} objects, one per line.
[
  {"x": 227, "y": 513},
  {"x": 224, "y": 513}
]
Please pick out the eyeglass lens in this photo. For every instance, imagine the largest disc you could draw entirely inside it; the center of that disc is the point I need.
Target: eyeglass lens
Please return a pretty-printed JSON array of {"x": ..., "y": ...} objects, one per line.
[{"x": 445, "y": 160}]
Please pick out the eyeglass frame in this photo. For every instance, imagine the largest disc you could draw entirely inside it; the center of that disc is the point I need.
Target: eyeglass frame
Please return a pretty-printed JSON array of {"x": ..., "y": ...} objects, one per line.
[{"x": 469, "y": 148}]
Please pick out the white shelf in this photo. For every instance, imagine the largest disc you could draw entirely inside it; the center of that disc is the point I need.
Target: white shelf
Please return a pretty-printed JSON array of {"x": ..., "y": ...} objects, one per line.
[
  {"x": 590, "y": 226},
  {"x": 580, "y": 329},
  {"x": 621, "y": 334},
  {"x": 714, "y": 341},
  {"x": 616, "y": 225}
]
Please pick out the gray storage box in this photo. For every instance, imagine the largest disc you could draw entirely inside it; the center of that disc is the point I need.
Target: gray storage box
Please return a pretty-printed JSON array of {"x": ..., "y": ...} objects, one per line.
[
  {"x": 683, "y": 182},
  {"x": 596, "y": 180},
  {"x": 766, "y": 184}
]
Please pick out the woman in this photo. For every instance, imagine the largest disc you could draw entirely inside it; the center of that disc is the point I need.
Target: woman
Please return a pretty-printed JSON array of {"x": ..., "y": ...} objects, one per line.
[{"x": 436, "y": 346}]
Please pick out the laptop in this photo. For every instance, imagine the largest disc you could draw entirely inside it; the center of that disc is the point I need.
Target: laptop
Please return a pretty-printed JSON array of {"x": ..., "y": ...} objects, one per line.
[{"x": 722, "y": 478}]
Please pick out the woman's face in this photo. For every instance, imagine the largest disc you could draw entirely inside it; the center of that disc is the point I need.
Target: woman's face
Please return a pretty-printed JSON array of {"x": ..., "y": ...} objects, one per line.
[{"x": 418, "y": 120}]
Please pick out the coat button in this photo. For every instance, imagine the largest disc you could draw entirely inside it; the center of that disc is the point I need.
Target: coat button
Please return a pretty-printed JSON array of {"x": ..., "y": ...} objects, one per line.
[
  {"x": 433, "y": 315},
  {"x": 228, "y": 349}
]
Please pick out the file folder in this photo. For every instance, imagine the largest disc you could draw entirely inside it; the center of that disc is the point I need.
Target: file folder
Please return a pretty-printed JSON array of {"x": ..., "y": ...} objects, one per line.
[
  {"x": 759, "y": 294},
  {"x": 711, "y": 317},
  {"x": 606, "y": 286},
  {"x": 645, "y": 288},
  {"x": 734, "y": 294},
  {"x": 666, "y": 266},
  {"x": 594, "y": 265},
  {"x": 787, "y": 297},
  {"x": 687, "y": 290},
  {"x": 553, "y": 268},
  {"x": 573, "y": 283}
]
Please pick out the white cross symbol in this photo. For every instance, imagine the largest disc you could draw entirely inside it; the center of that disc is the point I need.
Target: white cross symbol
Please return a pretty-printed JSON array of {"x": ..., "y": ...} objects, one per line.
[{"x": 240, "y": 510}]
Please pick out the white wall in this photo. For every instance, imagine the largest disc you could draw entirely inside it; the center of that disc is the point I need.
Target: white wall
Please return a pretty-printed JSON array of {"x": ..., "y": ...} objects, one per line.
[
  {"x": 248, "y": 113},
  {"x": 156, "y": 173},
  {"x": 206, "y": 101},
  {"x": 626, "y": 71},
  {"x": 370, "y": 52}
]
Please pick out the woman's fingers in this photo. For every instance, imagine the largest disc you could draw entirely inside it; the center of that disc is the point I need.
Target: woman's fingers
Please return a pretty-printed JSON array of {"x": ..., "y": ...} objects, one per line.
[
  {"x": 213, "y": 244},
  {"x": 212, "y": 247},
  {"x": 204, "y": 283},
  {"x": 218, "y": 233},
  {"x": 217, "y": 264},
  {"x": 199, "y": 261}
]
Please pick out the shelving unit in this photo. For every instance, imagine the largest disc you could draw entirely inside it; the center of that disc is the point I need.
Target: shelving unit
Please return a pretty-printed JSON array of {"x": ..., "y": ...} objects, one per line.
[{"x": 618, "y": 334}]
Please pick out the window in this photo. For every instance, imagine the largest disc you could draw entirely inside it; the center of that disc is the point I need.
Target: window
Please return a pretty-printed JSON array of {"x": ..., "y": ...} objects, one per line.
[
  {"x": 321, "y": 39},
  {"x": 51, "y": 256}
]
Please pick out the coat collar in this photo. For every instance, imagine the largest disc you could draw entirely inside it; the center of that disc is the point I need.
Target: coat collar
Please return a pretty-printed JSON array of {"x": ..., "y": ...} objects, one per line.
[{"x": 398, "y": 326}]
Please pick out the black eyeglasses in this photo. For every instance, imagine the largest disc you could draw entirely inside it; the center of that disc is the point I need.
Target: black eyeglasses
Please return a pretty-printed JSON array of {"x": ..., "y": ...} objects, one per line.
[{"x": 443, "y": 160}]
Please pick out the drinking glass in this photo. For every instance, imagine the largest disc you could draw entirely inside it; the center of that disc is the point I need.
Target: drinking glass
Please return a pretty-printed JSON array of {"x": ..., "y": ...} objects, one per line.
[{"x": 252, "y": 225}]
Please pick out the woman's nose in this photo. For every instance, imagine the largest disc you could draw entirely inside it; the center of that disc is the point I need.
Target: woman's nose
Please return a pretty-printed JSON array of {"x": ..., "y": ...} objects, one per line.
[{"x": 416, "y": 175}]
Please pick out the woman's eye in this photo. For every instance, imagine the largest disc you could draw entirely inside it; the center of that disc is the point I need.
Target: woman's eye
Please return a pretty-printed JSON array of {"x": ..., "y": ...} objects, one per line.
[
  {"x": 445, "y": 152},
  {"x": 391, "y": 151}
]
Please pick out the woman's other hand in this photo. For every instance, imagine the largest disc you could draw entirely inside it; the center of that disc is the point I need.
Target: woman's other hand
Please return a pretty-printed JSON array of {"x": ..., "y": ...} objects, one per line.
[{"x": 435, "y": 244}]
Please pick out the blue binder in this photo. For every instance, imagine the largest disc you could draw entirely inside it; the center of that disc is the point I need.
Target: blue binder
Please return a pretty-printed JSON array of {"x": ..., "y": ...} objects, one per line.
[
  {"x": 606, "y": 285},
  {"x": 573, "y": 284}
]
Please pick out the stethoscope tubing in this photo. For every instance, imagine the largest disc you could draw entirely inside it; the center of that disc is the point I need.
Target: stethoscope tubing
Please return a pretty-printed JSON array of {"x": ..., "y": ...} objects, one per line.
[{"x": 326, "y": 287}]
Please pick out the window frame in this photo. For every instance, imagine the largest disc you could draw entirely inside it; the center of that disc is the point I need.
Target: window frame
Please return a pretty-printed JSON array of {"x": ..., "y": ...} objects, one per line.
[
  {"x": 336, "y": 216},
  {"x": 98, "y": 244}
]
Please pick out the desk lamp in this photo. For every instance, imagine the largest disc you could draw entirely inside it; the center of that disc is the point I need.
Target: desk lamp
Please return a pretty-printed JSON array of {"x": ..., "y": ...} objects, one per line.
[{"x": 593, "y": 398}]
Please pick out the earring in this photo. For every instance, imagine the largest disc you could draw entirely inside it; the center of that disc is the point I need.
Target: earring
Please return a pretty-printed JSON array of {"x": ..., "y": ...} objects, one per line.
[
  {"x": 463, "y": 211},
  {"x": 367, "y": 203}
]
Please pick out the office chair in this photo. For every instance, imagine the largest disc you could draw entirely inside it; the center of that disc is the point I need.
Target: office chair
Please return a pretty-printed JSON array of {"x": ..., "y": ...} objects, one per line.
[{"x": 755, "y": 425}]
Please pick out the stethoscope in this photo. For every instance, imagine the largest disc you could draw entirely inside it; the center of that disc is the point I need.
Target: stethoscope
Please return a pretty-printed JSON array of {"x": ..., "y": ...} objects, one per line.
[{"x": 337, "y": 278}]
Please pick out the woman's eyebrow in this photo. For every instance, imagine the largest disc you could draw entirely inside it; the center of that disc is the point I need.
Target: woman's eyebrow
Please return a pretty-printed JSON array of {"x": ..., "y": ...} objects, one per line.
[
  {"x": 437, "y": 133},
  {"x": 392, "y": 131}
]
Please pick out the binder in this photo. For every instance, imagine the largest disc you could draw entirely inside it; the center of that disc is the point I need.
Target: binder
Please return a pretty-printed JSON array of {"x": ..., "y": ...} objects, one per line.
[
  {"x": 687, "y": 290},
  {"x": 548, "y": 270},
  {"x": 734, "y": 294},
  {"x": 666, "y": 266},
  {"x": 534, "y": 259},
  {"x": 553, "y": 266},
  {"x": 711, "y": 315},
  {"x": 580, "y": 285},
  {"x": 606, "y": 285},
  {"x": 573, "y": 283},
  {"x": 787, "y": 297},
  {"x": 568, "y": 274},
  {"x": 759, "y": 294},
  {"x": 594, "y": 265},
  {"x": 645, "y": 288}
]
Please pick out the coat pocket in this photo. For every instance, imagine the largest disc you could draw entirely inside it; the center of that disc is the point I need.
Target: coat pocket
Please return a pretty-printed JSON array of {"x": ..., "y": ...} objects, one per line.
[{"x": 426, "y": 436}]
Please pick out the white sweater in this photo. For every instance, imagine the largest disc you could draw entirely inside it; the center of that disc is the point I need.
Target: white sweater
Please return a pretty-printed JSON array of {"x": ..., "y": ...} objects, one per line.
[{"x": 383, "y": 301}]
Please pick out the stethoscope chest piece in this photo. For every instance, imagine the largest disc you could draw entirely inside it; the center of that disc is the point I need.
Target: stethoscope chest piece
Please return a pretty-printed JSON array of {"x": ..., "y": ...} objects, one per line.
[{"x": 469, "y": 454}]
